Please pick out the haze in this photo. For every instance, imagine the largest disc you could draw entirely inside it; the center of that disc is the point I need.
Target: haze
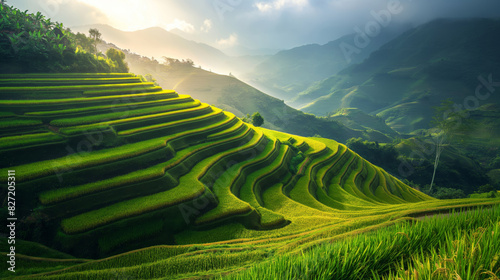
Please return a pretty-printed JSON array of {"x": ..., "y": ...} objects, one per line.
[{"x": 258, "y": 24}]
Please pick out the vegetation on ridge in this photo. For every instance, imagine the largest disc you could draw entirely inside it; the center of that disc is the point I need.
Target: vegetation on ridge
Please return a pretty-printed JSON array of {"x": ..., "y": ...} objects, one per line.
[{"x": 32, "y": 43}]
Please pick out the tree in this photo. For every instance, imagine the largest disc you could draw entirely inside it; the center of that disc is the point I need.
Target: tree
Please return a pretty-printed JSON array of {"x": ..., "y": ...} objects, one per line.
[
  {"x": 148, "y": 78},
  {"x": 119, "y": 58},
  {"x": 447, "y": 121},
  {"x": 84, "y": 42},
  {"x": 257, "y": 119},
  {"x": 95, "y": 35}
]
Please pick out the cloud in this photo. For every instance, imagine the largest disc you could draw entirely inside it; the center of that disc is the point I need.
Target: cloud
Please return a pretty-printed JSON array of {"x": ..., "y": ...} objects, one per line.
[
  {"x": 207, "y": 25},
  {"x": 181, "y": 25},
  {"x": 70, "y": 13},
  {"x": 280, "y": 4},
  {"x": 273, "y": 24},
  {"x": 232, "y": 40}
]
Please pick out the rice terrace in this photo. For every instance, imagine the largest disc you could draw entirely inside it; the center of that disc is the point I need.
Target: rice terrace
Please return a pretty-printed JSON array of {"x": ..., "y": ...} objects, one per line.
[{"x": 107, "y": 175}]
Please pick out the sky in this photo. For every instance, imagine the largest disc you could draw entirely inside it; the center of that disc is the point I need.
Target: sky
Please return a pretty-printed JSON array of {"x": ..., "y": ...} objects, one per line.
[{"x": 256, "y": 24}]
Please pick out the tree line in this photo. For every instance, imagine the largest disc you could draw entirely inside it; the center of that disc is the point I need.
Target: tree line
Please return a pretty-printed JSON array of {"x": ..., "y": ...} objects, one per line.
[{"x": 31, "y": 43}]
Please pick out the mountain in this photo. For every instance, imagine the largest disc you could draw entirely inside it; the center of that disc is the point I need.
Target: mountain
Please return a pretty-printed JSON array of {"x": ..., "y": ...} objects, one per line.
[
  {"x": 359, "y": 120},
  {"x": 290, "y": 72},
  {"x": 157, "y": 42},
  {"x": 407, "y": 77},
  {"x": 233, "y": 95}
]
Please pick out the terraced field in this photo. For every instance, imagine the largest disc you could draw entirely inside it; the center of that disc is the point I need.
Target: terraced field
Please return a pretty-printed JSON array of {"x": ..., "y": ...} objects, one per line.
[{"x": 106, "y": 164}]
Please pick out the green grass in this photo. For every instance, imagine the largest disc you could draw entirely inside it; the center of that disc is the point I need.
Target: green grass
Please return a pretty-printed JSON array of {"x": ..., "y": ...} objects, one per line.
[
  {"x": 301, "y": 192},
  {"x": 78, "y": 102},
  {"x": 129, "y": 115},
  {"x": 182, "y": 122},
  {"x": 29, "y": 139},
  {"x": 188, "y": 189},
  {"x": 111, "y": 107},
  {"x": 248, "y": 212},
  {"x": 130, "y": 208},
  {"x": 45, "y": 168},
  {"x": 65, "y": 81},
  {"x": 251, "y": 190},
  {"x": 19, "y": 123},
  {"x": 4, "y": 114},
  {"x": 438, "y": 248},
  {"x": 84, "y": 88},
  {"x": 62, "y": 194},
  {"x": 229, "y": 202},
  {"x": 66, "y": 75},
  {"x": 129, "y": 89}
]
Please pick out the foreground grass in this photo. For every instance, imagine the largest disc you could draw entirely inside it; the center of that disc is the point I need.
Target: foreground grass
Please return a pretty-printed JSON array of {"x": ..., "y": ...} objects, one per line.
[
  {"x": 458, "y": 246},
  {"x": 440, "y": 247}
]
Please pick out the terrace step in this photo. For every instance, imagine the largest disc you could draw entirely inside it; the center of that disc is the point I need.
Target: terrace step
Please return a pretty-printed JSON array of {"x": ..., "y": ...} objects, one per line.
[
  {"x": 75, "y": 88},
  {"x": 175, "y": 169},
  {"x": 178, "y": 143},
  {"x": 22, "y": 106},
  {"x": 115, "y": 164},
  {"x": 137, "y": 118},
  {"x": 188, "y": 189},
  {"x": 383, "y": 192},
  {"x": 66, "y": 75},
  {"x": 49, "y": 81},
  {"x": 106, "y": 109},
  {"x": 159, "y": 130},
  {"x": 349, "y": 181},
  {"x": 115, "y": 172},
  {"x": 228, "y": 184},
  {"x": 269, "y": 172},
  {"x": 301, "y": 192},
  {"x": 260, "y": 147}
]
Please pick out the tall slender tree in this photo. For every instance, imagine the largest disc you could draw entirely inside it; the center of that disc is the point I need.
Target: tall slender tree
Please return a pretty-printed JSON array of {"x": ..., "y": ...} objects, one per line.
[
  {"x": 447, "y": 122},
  {"x": 95, "y": 35}
]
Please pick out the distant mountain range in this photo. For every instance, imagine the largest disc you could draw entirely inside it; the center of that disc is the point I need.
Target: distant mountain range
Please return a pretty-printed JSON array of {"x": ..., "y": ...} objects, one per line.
[
  {"x": 157, "y": 42},
  {"x": 233, "y": 95},
  {"x": 290, "y": 72},
  {"x": 403, "y": 80},
  {"x": 400, "y": 81}
]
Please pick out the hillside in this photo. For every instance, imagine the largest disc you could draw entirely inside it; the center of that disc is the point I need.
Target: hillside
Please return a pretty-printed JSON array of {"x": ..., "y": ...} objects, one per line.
[
  {"x": 290, "y": 72},
  {"x": 357, "y": 119},
  {"x": 407, "y": 77},
  {"x": 233, "y": 95},
  {"x": 158, "y": 42},
  {"x": 116, "y": 164},
  {"x": 141, "y": 153},
  {"x": 32, "y": 43}
]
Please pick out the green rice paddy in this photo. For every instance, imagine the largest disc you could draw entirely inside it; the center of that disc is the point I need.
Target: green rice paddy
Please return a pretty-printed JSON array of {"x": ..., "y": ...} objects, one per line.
[{"x": 129, "y": 180}]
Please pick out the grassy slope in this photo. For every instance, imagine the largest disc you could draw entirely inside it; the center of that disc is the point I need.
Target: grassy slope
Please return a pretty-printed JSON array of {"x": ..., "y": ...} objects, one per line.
[{"x": 209, "y": 180}]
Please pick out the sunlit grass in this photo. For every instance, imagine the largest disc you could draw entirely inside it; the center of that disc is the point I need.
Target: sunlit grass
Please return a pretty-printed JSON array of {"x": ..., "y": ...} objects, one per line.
[{"x": 462, "y": 245}]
